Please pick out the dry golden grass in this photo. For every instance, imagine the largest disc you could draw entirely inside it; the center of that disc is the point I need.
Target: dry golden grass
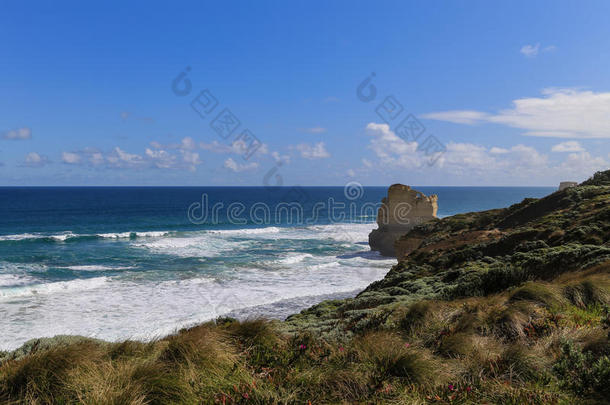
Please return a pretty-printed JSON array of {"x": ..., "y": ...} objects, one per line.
[{"x": 494, "y": 349}]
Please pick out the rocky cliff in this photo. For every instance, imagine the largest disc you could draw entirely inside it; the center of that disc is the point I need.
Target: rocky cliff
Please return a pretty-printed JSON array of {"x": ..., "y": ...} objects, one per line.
[{"x": 402, "y": 210}]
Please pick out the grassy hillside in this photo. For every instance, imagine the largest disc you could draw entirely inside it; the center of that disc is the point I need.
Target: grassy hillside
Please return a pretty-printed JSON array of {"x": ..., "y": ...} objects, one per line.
[{"x": 507, "y": 306}]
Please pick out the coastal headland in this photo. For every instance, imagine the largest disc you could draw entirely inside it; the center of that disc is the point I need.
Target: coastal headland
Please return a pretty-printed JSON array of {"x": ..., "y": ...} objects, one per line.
[{"x": 509, "y": 305}]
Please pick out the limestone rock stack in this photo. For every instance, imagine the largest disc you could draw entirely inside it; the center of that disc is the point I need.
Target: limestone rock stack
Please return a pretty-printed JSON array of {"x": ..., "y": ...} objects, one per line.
[
  {"x": 400, "y": 211},
  {"x": 567, "y": 184}
]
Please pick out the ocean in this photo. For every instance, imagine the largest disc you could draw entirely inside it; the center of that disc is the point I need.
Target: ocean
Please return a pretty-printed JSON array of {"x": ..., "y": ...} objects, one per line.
[{"x": 141, "y": 262}]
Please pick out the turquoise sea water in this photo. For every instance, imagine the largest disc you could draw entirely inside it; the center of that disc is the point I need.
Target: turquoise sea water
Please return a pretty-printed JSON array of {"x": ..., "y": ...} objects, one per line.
[{"x": 139, "y": 262}]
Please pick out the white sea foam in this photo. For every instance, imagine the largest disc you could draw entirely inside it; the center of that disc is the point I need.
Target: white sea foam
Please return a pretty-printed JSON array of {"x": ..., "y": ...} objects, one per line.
[
  {"x": 295, "y": 258},
  {"x": 26, "y": 236},
  {"x": 22, "y": 236},
  {"x": 12, "y": 280},
  {"x": 344, "y": 232},
  {"x": 123, "y": 235},
  {"x": 95, "y": 267},
  {"x": 122, "y": 307},
  {"x": 77, "y": 285},
  {"x": 215, "y": 243},
  {"x": 120, "y": 310},
  {"x": 63, "y": 236},
  {"x": 193, "y": 245},
  {"x": 250, "y": 231}
]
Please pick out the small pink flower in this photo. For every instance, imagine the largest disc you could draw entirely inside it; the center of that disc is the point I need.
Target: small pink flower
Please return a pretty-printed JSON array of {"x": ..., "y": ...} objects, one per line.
[
  {"x": 302, "y": 347},
  {"x": 451, "y": 387},
  {"x": 341, "y": 349},
  {"x": 407, "y": 345},
  {"x": 468, "y": 389}
]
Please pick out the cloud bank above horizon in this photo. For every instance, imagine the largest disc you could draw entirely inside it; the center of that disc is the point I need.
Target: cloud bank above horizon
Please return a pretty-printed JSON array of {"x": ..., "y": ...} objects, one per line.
[{"x": 559, "y": 113}]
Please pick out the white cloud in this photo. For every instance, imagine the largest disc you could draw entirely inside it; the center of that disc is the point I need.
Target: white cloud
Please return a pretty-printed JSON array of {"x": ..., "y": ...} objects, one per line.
[
  {"x": 191, "y": 159},
  {"x": 161, "y": 159},
  {"x": 316, "y": 151},
  {"x": 582, "y": 165},
  {"x": 217, "y": 147},
  {"x": 526, "y": 157},
  {"x": 238, "y": 147},
  {"x": 236, "y": 167},
  {"x": 188, "y": 143},
  {"x": 351, "y": 173},
  {"x": 18, "y": 134},
  {"x": 280, "y": 159},
  {"x": 231, "y": 165},
  {"x": 96, "y": 158},
  {"x": 70, "y": 158},
  {"x": 498, "y": 151},
  {"x": 34, "y": 159},
  {"x": 164, "y": 159},
  {"x": 156, "y": 156},
  {"x": 559, "y": 113},
  {"x": 470, "y": 161},
  {"x": 188, "y": 146},
  {"x": 568, "y": 146},
  {"x": 263, "y": 150},
  {"x": 466, "y": 157},
  {"x": 120, "y": 158},
  {"x": 530, "y": 50},
  {"x": 457, "y": 116},
  {"x": 391, "y": 149}
]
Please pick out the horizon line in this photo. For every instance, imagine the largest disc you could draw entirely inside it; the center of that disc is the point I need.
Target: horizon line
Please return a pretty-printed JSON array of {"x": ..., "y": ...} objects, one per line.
[{"x": 262, "y": 186}]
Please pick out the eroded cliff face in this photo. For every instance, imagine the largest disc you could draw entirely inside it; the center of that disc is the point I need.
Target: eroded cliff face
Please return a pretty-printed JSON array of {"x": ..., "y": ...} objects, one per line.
[{"x": 403, "y": 209}]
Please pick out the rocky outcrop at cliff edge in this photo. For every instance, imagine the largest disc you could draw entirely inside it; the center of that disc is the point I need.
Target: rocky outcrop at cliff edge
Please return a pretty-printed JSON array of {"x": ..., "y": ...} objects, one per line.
[
  {"x": 402, "y": 210},
  {"x": 567, "y": 184}
]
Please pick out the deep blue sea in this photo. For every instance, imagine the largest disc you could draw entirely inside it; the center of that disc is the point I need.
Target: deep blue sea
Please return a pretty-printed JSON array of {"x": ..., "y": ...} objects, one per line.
[{"x": 140, "y": 262}]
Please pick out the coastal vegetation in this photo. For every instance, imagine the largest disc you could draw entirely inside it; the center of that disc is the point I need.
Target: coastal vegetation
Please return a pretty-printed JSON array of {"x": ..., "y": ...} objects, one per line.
[{"x": 507, "y": 306}]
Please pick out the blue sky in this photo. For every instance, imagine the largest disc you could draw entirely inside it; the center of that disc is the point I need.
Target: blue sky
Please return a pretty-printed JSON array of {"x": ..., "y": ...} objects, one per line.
[{"x": 506, "y": 94}]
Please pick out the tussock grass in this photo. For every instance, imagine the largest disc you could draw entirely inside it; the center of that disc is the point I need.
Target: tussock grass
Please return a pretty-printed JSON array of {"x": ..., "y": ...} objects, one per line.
[
  {"x": 42, "y": 376},
  {"x": 586, "y": 294},
  {"x": 389, "y": 356},
  {"x": 457, "y": 345},
  {"x": 540, "y": 293},
  {"x": 500, "y": 348},
  {"x": 417, "y": 315}
]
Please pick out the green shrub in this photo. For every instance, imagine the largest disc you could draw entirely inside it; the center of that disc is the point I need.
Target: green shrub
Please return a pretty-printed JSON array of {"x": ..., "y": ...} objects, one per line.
[{"x": 582, "y": 372}]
